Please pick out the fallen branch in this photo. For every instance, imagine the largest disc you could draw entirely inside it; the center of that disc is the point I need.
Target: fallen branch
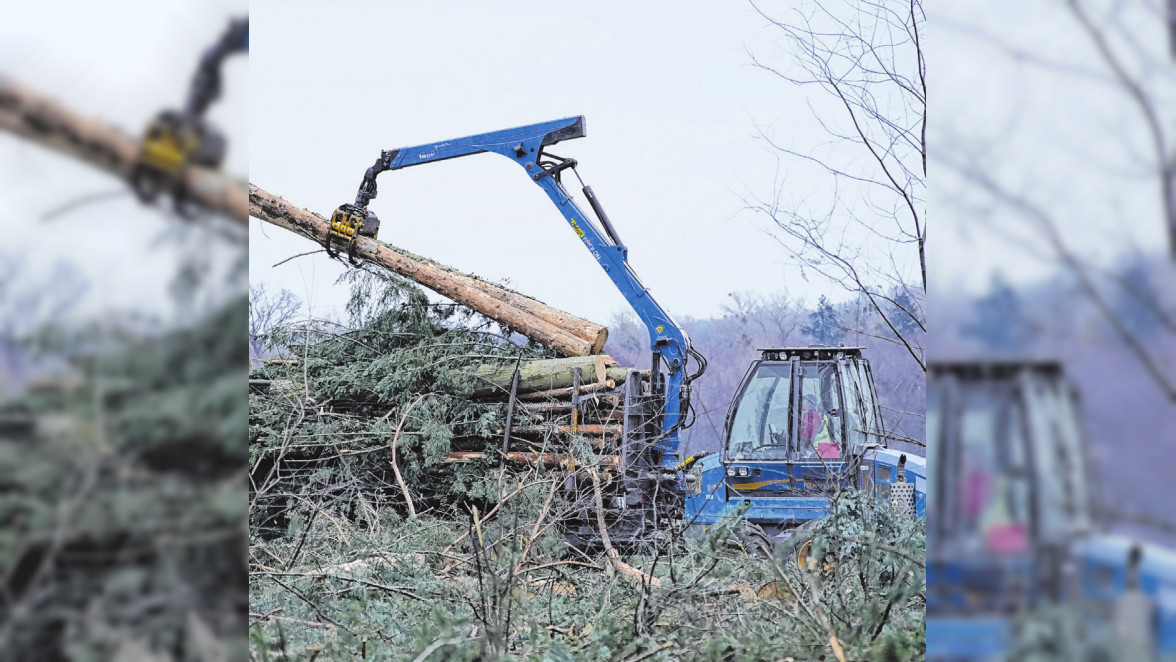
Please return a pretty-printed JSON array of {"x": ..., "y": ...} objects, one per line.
[
  {"x": 613, "y": 555},
  {"x": 490, "y": 513},
  {"x": 396, "y": 469},
  {"x": 399, "y": 590}
]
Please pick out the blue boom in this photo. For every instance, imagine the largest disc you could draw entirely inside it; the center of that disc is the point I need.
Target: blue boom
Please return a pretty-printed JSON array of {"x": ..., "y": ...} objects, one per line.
[{"x": 526, "y": 146}]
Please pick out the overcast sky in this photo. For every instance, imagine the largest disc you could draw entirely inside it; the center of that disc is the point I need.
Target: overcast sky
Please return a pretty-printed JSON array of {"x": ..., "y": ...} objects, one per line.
[
  {"x": 672, "y": 105},
  {"x": 1019, "y": 88},
  {"x": 122, "y": 65}
]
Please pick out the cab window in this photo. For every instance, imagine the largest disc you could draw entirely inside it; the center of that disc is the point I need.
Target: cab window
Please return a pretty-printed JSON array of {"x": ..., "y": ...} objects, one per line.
[{"x": 759, "y": 429}]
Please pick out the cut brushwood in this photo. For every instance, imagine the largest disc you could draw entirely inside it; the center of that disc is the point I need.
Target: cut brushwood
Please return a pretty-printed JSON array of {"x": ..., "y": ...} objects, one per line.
[
  {"x": 560, "y": 331},
  {"x": 39, "y": 119}
]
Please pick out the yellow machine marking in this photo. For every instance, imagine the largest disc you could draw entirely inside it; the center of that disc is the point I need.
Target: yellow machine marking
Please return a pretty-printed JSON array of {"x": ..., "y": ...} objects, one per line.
[
  {"x": 166, "y": 150},
  {"x": 579, "y": 232},
  {"x": 756, "y": 486},
  {"x": 687, "y": 463},
  {"x": 345, "y": 226}
]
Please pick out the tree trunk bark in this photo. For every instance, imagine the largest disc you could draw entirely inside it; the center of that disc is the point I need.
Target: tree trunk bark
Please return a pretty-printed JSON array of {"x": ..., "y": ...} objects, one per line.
[
  {"x": 505, "y": 307},
  {"x": 544, "y": 375},
  {"x": 581, "y": 328},
  {"x": 560, "y": 393},
  {"x": 591, "y": 429},
  {"x": 43, "y": 121}
]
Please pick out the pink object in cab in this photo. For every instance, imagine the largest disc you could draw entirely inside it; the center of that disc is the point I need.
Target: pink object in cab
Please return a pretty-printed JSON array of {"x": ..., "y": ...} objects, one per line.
[
  {"x": 809, "y": 424},
  {"x": 828, "y": 449},
  {"x": 1007, "y": 538}
]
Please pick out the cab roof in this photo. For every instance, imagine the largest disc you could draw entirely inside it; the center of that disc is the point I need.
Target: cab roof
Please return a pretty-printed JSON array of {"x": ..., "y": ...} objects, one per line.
[
  {"x": 810, "y": 353},
  {"x": 994, "y": 368}
]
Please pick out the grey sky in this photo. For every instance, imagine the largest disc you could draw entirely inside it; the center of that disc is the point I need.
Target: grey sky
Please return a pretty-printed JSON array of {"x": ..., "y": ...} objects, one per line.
[
  {"x": 121, "y": 65},
  {"x": 671, "y": 103},
  {"x": 1051, "y": 125}
]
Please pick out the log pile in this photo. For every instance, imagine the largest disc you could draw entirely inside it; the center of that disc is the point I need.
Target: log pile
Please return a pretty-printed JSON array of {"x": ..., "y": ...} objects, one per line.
[
  {"x": 553, "y": 328},
  {"x": 549, "y": 378},
  {"x": 549, "y": 405},
  {"x": 552, "y": 403}
]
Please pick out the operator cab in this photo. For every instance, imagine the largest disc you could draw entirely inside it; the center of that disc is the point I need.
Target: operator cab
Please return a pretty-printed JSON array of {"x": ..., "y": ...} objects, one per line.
[
  {"x": 812, "y": 406},
  {"x": 1010, "y": 485},
  {"x": 1012, "y": 467}
]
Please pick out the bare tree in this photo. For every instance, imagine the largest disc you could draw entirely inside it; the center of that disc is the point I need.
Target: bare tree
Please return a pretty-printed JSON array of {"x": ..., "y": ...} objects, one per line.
[
  {"x": 865, "y": 65},
  {"x": 1127, "y": 68},
  {"x": 1115, "y": 45},
  {"x": 266, "y": 312},
  {"x": 31, "y": 303},
  {"x": 29, "y": 300}
]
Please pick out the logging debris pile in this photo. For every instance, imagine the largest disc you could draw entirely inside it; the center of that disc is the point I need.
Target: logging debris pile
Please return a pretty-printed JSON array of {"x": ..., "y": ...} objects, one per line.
[
  {"x": 121, "y": 506},
  {"x": 386, "y": 523},
  {"x": 411, "y": 408},
  {"x": 414, "y": 405}
]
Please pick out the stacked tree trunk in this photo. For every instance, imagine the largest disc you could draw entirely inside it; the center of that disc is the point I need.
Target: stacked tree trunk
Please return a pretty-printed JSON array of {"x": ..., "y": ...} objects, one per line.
[
  {"x": 551, "y": 405},
  {"x": 552, "y": 377}
]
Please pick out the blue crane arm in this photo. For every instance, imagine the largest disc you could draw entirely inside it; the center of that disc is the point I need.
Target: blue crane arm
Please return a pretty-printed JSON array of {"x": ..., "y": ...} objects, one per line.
[
  {"x": 525, "y": 146},
  {"x": 206, "y": 82}
]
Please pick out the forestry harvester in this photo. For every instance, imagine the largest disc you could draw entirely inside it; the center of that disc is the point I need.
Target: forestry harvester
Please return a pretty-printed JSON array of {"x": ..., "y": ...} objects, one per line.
[
  {"x": 1015, "y": 525},
  {"x": 805, "y": 422}
]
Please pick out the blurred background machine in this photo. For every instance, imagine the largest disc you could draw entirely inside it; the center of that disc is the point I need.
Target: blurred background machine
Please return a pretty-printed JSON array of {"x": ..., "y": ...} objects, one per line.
[{"x": 1016, "y": 532}]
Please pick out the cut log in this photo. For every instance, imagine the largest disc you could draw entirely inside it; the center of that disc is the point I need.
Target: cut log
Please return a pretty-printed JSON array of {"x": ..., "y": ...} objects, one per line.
[
  {"x": 547, "y": 459},
  {"x": 545, "y": 374},
  {"x": 604, "y": 402},
  {"x": 590, "y": 429},
  {"x": 581, "y": 328},
  {"x": 39, "y": 119},
  {"x": 560, "y": 331},
  {"x": 561, "y": 415},
  {"x": 558, "y": 393}
]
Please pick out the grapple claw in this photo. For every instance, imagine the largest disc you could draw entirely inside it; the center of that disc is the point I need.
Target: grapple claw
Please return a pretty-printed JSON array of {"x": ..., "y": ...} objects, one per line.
[
  {"x": 170, "y": 144},
  {"x": 348, "y": 222}
]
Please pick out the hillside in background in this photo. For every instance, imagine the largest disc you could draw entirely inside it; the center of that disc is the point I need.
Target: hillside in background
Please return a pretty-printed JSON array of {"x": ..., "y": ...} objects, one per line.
[{"x": 1127, "y": 412}]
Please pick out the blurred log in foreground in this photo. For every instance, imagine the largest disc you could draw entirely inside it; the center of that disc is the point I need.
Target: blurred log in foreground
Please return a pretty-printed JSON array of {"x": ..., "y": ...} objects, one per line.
[{"x": 46, "y": 122}]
